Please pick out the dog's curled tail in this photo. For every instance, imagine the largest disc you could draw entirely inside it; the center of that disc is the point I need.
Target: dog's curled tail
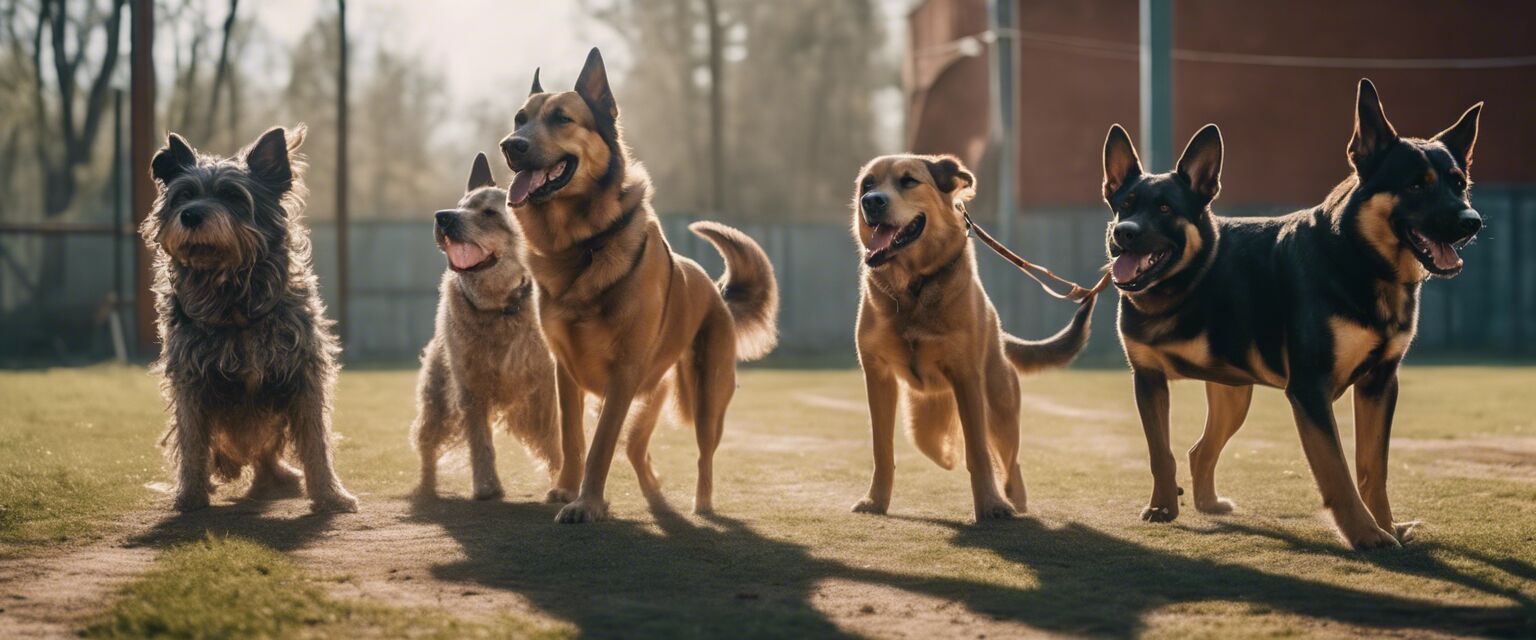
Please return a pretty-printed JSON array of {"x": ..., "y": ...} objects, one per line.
[
  {"x": 1060, "y": 350},
  {"x": 748, "y": 287}
]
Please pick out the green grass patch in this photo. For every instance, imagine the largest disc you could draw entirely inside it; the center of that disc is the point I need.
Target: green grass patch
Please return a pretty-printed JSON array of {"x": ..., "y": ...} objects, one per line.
[{"x": 232, "y": 588}]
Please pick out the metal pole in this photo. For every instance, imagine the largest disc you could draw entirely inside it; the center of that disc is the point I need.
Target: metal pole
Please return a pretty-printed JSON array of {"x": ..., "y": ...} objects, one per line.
[
  {"x": 716, "y": 109},
  {"x": 1005, "y": 104},
  {"x": 119, "y": 296},
  {"x": 1157, "y": 83},
  {"x": 342, "y": 260},
  {"x": 142, "y": 144}
]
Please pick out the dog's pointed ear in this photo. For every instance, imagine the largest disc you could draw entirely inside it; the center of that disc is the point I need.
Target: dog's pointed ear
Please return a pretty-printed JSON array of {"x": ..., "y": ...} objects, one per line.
[
  {"x": 951, "y": 176},
  {"x": 1201, "y": 162},
  {"x": 1121, "y": 164},
  {"x": 592, "y": 86},
  {"x": 268, "y": 162},
  {"x": 1460, "y": 138},
  {"x": 1373, "y": 133},
  {"x": 480, "y": 174},
  {"x": 173, "y": 159},
  {"x": 537, "y": 88}
]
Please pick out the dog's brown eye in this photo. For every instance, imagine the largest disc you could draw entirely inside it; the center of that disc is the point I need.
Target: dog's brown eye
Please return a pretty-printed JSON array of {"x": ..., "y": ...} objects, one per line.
[
  {"x": 1163, "y": 208},
  {"x": 866, "y": 185},
  {"x": 489, "y": 212},
  {"x": 521, "y": 119},
  {"x": 907, "y": 182},
  {"x": 559, "y": 119}
]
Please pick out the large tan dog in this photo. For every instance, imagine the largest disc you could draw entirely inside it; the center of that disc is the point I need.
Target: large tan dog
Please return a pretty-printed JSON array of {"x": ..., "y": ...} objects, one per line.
[
  {"x": 621, "y": 311},
  {"x": 926, "y": 323}
]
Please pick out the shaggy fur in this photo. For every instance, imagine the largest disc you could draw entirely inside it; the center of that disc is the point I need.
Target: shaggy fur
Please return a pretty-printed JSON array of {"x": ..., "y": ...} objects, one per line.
[
  {"x": 248, "y": 359},
  {"x": 626, "y": 317},
  {"x": 927, "y": 332},
  {"x": 488, "y": 356}
]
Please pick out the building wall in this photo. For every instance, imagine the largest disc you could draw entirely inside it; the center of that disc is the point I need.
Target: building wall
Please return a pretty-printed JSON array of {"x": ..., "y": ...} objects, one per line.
[{"x": 1285, "y": 126}]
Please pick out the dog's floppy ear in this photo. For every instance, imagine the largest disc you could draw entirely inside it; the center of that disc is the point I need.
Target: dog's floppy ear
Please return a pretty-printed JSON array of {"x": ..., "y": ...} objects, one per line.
[
  {"x": 1373, "y": 133},
  {"x": 267, "y": 160},
  {"x": 1462, "y": 135},
  {"x": 1121, "y": 164},
  {"x": 592, "y": 86},
  {"x": 173, "y": 159},
  {"x": 537, "y": 88},
  {"x": 950, "y": 176},
  {"x": 480, "y": 174},
  {"x": 1201, "y": 162}
]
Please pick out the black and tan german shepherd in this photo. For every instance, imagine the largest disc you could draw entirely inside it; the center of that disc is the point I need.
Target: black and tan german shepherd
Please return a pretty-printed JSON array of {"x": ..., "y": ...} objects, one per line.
[{"x": 1314, "y": 302}]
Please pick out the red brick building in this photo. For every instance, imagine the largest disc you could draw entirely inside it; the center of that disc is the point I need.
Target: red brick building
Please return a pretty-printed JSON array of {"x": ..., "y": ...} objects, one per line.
[{"x": 1277, "y": 77}]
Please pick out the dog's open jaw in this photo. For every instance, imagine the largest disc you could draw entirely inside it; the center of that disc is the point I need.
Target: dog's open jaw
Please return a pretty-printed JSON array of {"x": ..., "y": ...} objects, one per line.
[
  {"x": 1131, "y": 270},
  {"x": 467, "y": 256},
  {"x": 1439, "y": 257},
  {"x": 886, "y": 239},
  {"x": 539, "y": 185}
]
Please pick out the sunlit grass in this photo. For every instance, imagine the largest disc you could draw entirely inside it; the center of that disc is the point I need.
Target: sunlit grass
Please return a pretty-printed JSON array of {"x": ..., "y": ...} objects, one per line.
[{"x": 78, "y": 447}]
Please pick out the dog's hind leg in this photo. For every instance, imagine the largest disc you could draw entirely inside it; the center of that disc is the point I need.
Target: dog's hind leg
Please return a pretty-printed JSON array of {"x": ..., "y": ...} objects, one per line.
[
  {"x": 1375, "y": 402},
  {"x": 642, "y": 424},
  {"x": 1003, "y": 429},
  {"x": 1152, "y": 404},
  {"x": 482, "y": 452},
  {"x": 310, "y": 420},
  {"x": 273, "y": 478},
  {"x": 1226, "y": 408},
  {"x": 714, "y": 354},
  {"x": 191, "y": 445}
]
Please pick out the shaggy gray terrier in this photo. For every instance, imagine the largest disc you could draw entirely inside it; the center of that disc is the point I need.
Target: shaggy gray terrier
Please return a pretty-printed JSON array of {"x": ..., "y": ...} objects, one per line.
[
  {"x": 488, "y": 357},
  {"x": 248, "y": 359}
]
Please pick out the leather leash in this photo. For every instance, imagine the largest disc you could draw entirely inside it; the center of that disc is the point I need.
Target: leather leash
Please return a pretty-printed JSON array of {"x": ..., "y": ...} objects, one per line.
[{"x": 1077, "y": 293}]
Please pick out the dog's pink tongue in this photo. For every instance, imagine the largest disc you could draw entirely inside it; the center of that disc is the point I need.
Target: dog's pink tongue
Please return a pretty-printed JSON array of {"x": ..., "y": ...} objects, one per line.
[
  {"x": 1128, "y": 266},
  {"x": 465, "y": 255},
  {"x": 1445, "y": 255},
  {"x": 522, "y": 185},
  {"x": 880, "y": 238}
]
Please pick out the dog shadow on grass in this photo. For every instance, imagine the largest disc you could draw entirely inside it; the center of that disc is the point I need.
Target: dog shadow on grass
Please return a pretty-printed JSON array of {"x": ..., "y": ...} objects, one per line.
[
  {"x": 716, "y": 576},
  {"x": 260, "y": 522},
  {"x": 1417, "y": 558}
]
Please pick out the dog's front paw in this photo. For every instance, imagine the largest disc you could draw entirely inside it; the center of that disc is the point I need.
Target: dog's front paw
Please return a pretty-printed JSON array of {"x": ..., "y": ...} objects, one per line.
[
  {"x": 1404, "y": 531},
  {"x": 1154, "y": 513},
  {"x": 870, "y": 505},
  {"x": 338, "y": 502},
  {"x": 1216, "y": 507},
  {"x": 1370, "y": 536},
  {"x": 489, "y": 492},
  {"x": 995, "y": 509},
  {"x": 583, "y": 510},
  {"x": 559, "y": 496},
  {"x": 190, "y": 501}
]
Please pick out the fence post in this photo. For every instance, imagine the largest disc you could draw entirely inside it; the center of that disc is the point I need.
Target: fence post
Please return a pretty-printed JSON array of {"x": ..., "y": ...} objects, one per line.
[{"x": 1157, "y": 83}]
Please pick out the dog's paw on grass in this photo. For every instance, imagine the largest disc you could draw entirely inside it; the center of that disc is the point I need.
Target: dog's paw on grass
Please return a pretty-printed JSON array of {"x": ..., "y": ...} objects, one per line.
[{"x": 229, "y": 587}]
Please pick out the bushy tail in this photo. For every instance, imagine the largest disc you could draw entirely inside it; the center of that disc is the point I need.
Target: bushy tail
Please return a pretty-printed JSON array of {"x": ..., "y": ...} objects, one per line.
[
  {"x": 748, "y": 288},
  {"x": 1059, "y": 350}
]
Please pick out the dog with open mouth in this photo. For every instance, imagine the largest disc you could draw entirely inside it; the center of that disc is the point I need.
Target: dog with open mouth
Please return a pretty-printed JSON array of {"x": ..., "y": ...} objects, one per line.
[
  {"x": 928, "y": 334},
  {"x": 1315, "y": 303},
  {"x": 488, "y": 360},
  {"x": 628, "y": 320}
]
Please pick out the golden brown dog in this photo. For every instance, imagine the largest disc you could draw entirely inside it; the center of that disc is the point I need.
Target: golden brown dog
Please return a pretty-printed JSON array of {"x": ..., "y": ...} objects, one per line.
[
  {"x": 626, "y": 317},
  {"x": 926, "y": 323}
]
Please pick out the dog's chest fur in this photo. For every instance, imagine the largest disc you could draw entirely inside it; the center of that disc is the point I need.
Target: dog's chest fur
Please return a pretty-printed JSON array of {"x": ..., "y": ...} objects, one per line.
[
  {"x": 263, "y": 362},
  {"x": 492, "y": 353}
]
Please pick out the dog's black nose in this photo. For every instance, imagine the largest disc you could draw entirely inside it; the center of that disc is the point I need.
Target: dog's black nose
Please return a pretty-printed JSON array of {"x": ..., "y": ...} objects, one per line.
[
  {"x": 1469, "y": 222},
  {"x": 514, "y": 146},
  {"x": 444, "y": 218},
  {"x": 874, "y": 204},
  {"x": 1126, "y": 232},
  {"x": 191, "y": 217}
]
